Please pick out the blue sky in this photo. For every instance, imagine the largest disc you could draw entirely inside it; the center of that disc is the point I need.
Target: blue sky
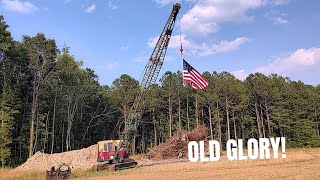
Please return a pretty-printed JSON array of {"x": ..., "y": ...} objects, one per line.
[{"x": 114, "y": 37}]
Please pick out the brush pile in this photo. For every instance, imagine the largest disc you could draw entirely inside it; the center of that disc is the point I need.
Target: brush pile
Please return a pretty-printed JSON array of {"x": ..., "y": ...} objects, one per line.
[{"x": 177, "y": 146}]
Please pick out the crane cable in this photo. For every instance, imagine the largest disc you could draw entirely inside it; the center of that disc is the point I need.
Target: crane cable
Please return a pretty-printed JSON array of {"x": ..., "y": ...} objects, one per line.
[{"x": 181, "y": 48}]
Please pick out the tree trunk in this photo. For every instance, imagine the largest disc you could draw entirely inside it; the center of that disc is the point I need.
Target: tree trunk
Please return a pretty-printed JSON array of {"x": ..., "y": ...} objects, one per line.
[
  {"x": 179, "y": 112},
  {"x": 268, "y": 119},
  {"x": 154, "y": 128},
  {"x": 134, "y": 144},
  {"x": 72, "y": 108},
  {"x": 46, "y": 134},
  {"x": 160, "y": 132},
  {"x": 197, "y": 113},
  {"x": 281, "y": 131},
  {"x": 210, "y": 122},
  {"x": 317, "y": 127},
  {"x": 2, "y": 126},
  {"x": 53, "y": 123},
  {"x": 258, "y": 119},
  {"x": 62, "y": 138},
  {"x": 241, "y": 129},
  {"x": 202, "y": 116},
  {"x": 68, "y": 125},
  {"x": 143, "y": 143},
  {"x": 119, "y": 132},
  {"x": 170, "y": 117},
  {"x": 33, "y": 113},
  {"x": 188, "y": 120},
  {"x": 2, "y": 116},
  {"x": 262, "y": 124},
  {"x": 219, "y": 126},
  {"x": 234, "y": 126},
  {"x": 36, "y": 138},
  {"x": 228, "y": 119}
]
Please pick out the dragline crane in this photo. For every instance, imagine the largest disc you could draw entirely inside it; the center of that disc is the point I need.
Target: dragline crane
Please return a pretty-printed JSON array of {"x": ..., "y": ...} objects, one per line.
[
  {"x": 151, "y": 71},
  {"x": 115, "y": 153}
]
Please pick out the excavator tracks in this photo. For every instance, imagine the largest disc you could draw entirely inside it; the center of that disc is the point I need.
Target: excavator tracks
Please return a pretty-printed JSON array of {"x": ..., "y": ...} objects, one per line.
[{"x": 114, "y": 167}]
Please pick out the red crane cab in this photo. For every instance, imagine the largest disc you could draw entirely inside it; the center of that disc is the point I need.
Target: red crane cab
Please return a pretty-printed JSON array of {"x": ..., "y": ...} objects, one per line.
[{"x": 107, "y": 151}]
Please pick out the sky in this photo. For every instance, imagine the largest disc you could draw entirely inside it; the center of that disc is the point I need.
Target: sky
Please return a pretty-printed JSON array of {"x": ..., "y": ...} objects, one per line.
[{"x": 115, "y": 37}]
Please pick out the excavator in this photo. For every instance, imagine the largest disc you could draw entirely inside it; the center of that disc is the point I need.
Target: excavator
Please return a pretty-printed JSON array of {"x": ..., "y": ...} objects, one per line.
[{"x": 114, "y": 154}]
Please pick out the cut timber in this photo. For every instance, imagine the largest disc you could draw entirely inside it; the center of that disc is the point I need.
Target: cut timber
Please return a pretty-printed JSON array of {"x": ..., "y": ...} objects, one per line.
[{"x": 176, "y": 147}]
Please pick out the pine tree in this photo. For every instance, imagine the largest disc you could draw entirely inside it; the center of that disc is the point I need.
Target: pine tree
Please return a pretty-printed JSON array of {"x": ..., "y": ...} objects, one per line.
[{"x": 7, "y": 94}]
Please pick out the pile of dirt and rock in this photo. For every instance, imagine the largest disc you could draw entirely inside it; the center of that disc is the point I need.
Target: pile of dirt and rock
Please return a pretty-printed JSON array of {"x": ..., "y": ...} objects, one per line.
[
  {"x": 177, "y": 146},
  {"x": 77, "y": 159}
]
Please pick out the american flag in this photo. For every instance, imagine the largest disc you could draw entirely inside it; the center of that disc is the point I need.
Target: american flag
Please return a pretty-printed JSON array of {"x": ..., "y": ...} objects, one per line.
[{"x": 192, "y": 76}]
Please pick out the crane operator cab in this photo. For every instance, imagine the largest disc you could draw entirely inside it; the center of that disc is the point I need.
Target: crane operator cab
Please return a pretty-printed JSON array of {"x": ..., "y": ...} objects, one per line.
[{"x": 107, "y": 151}]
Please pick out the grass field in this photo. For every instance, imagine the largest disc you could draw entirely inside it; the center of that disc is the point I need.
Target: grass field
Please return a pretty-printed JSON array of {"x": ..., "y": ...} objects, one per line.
[{"x": 299, "y": 164}]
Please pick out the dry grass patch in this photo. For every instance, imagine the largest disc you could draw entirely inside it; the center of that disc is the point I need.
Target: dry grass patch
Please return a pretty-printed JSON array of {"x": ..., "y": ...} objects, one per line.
[
  {"x": 11, "y": 174},
  {"x": 299, "y": 164}
]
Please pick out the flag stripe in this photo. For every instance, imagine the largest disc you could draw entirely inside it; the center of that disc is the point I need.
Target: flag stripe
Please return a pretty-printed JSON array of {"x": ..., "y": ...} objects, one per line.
[
  {"x": 198, "y": 79},
  {"x": 192, "y": 76},
  {"x": 199, "y": 75},
  {"x": 196, "y": 82}
]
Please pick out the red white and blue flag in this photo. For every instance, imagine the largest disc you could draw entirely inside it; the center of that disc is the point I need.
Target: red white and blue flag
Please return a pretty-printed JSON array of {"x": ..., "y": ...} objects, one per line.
[{"x": 192, "y": 76}]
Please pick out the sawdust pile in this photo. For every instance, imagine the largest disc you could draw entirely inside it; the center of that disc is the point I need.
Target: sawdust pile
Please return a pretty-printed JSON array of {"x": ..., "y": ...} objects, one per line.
[
  {"x": 77, "y": 159},
  {"x": 177, "y": 146}
]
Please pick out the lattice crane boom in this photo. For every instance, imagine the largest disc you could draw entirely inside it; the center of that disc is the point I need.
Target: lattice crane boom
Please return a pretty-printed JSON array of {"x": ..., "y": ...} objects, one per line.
[
  {"x": 121, "y": 160},
  {"x": 151, "y": 72},
  {"x": 155, "y": 62}
]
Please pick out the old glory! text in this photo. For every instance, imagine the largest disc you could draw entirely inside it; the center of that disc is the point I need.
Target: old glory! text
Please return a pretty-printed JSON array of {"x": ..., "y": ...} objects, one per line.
[{"x": 260, "y": 148}]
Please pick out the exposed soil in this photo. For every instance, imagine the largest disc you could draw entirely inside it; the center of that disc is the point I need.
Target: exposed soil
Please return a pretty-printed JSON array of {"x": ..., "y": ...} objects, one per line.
[
  {"x": 173, "y": 150},
  {"x": 77, "y": 159}
]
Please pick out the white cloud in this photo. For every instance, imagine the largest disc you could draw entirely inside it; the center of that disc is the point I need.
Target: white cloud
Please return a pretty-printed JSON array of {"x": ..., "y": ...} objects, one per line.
[
  {"x": 299, "y": 60},
  {"x": 279, "y": 2},
  {"x": 240, "y": 74},
  {"x": 67, "y": 1},
  {"x": 277, "y": 17},
  {"x": 90, "y": 9},
  {"x": 174, "y": 41},
  {"x": 163, "y": 2},
  {"x": 124, "y": 47},
  {"x": 19, "y": 6},
  {"x": 144, "y": 59},
  {"x": 207, "y": 15},
  {"x": 112, "y": 66},
  {"x": 204, "y": 49},
  {"x": 222, "y": 47},
  {"x": 280, "y": 20},
  {"x": 140, "y": 59},
  {"x": 111, "y": 5}
]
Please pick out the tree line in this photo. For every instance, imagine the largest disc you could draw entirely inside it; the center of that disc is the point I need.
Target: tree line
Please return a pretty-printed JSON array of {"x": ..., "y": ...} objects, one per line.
[{"x": 49, "y": 103}]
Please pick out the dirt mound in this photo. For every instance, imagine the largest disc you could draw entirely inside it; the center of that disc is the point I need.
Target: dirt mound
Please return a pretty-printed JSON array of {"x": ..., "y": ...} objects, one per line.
[
  {"x": 177, "y": 146},
  {"x": 77, "y": 159}
]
